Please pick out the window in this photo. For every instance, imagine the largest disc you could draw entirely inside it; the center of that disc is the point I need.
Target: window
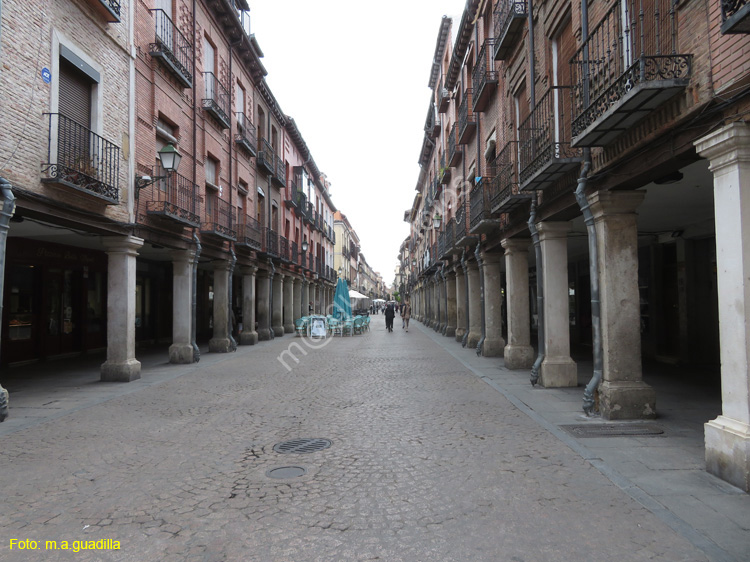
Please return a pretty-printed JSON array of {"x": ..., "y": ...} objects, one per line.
[
  {"x": 212, "y": 169},
  {"x": 260, "y": 210},
  {"x": 209, "y": 65},
  {"x": 240, "y": 107}
]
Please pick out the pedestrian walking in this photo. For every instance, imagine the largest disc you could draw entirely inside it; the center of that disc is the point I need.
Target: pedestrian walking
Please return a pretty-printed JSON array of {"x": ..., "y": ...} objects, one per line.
[
  {"x": 406, "y": 314},
  {"x": 390, "y": 313}
]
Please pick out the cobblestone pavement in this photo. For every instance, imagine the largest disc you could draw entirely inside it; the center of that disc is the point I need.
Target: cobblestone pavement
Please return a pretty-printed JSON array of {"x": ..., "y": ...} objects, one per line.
[{"x": 427, "y": 463}]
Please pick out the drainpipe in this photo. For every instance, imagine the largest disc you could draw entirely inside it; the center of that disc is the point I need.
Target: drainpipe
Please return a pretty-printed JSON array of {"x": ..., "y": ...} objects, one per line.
[
  {"x": 532, "y": 74},
  {"x": 232, "y": 342},
  {"x": 9, "y": 207},
  {"x": 539, "y": 291},
  {"x": 478, "y": 255},
  {"x": 270, "y": 299},
  {"x": 583, "y": 203},
  {"x": 465, "y": 339},
  {"x": 194, "y": 303}
]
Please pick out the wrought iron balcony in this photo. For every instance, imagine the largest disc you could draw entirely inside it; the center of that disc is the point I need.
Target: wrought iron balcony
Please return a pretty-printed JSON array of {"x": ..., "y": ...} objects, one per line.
[
  {"x": 107, "y": 9},
  {"x": 735, "y": 16},
  {"x": 450, "y": 238},
  {"x": 625, "y": 69},
  {"x": 484, "y": 77},
  {"x": 245, "y": 135},
  {"x": 266, "y": 159},
  {"x": 172, "y": 48},
  {"x": 510, "y": 16},
  {"x": 432, "y": 123},
  {"x": 455, "y": 152},
  {"x": 445, "y": 172},
  {"x": 279, "y": 175},
  {"x": 284, "y": 248},
  {"x": 300, "y": 201},
  {"x": 310, "y": 214},
  {"x": 504, "y": 195},
  {"x": 481, "y": 212},
  {"x": 272, "y": 243},
  {"x": 250, "y": 235},
  {"x": 174, "y": 198},
  {"x": 79, "y": 159},
  {"x": 467, "y": 120},
  {"x": 463, "y": 237},
  {"x": 216, "y": 102},
  {"x": 441, "y": 244},
  {"x": 544, "y": 137},
  {"x": 444, "y": 98},
  {"x": 219, "y": 219}
]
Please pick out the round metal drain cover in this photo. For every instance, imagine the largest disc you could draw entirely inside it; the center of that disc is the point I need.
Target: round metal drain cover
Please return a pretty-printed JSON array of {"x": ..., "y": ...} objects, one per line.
[
  {"x": 286, "y": 472},
  {"x": 301, "y": 446}
]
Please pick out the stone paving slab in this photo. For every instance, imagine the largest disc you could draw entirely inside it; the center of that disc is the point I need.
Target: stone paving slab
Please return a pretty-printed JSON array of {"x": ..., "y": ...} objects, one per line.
[{"x": 427, "y": 462}]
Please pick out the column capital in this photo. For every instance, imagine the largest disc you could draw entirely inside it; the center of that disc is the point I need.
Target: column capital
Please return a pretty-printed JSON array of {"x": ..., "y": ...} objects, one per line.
[
  {"x": 491, "y": 257},
  {"x": 187, "y": 255},
  {"x": 725, "y": 147},
  {"x": 515, "y": 245},
  {"x": 472, "y": 265},
  {"x": 550, "y": 230},
  {"x": 604, "y": 203},
  {"x": 122, "y": 244},
  {"x": 248, "y": 270},
  {"x": 221, "y": 265},
  {"x": 263, "y": 273}
]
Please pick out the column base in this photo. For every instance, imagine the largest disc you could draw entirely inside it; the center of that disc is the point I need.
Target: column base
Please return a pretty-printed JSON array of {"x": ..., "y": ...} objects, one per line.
[
  {"x": 278, "y": 331},
  {"x": 125, "y": 371},
  {"x": 473, "y": 339},
  {"x": 450, "y": 332},
  {"x": 288, "y": 328},
  {"x": 728, "y": 451},
  {"x": 627, "y": 400},
  {"x": 219, "y": 345},
  {"x": 181, "y": 353},
  {"x": 264, "y": 334},
  {"x": 518, "y": 356},
  {"x": 248, "y": 338},
  {"x": 494, "y": 347},
  {"x": 460, "y": 332},
  {"x": 559, "y": 372}
]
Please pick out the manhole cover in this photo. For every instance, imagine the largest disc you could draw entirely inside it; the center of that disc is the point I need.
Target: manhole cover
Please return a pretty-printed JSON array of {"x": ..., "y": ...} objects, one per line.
[
  {"x": 613, "y": 430},
  {"x": 286, "y": 472},
  {"x": 301, "y": 446}
]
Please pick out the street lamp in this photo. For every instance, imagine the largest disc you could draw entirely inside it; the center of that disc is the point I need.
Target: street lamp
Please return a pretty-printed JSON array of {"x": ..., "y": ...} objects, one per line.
[
  {"x": 304, "y": 245},
  {"x": 169, "y": 157},
  {"x": 437, "y": 221}
]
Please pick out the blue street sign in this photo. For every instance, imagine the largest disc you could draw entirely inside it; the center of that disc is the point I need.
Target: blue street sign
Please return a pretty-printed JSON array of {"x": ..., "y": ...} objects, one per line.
[{"x": 46, "y": 75}]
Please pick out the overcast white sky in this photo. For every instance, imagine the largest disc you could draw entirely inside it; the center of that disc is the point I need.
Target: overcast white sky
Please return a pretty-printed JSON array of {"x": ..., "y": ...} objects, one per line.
[{"x": 354, "y": 76}]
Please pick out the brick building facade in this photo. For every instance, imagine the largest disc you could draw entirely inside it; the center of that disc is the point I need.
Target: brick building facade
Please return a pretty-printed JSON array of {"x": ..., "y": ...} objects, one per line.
[{"x": 621, "y": 146}]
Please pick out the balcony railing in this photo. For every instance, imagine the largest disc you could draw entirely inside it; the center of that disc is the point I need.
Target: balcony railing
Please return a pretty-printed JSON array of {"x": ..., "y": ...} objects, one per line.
[
  {"x": 432, "y": 123},
  {"x": 174, "y": 198},
  {"x": 245, "y": 135},
  {"x": 266, "y": 158},
  {"x": 484, "y": 77},
  {"x": 625, "y": 69},
  {"x": 294, "y": 253},
  {"x": 450, "y": 236},
  {"x": 284, "y": 248},
  {"x": 462, "y": 226},
  {"x": 219, "y": 219},
  {"x": 108, "y": 9},
  {"x": 310, "y": 261},
  {"x": 510, "y": 16},
  {"x": 735, "y": 16},
  {"x": 279, "y": 175},
  {"x": 250, "y": 234},
  {"x": 455, "y": 152},
  {"x": 82, "y": 160},
  {"x": 272, "y": 243},
  {"x": 216, "y": 102},
  {"x": 467, "y": 120},
  {"x": 544, "y": 137},
  {"x": 441, "y": 244},
  {"x": 310, "y": 214},
  {"x": 479, "y": 199},
  {"x": 172, "y": 48},
  {"x": 504, "y": 195}
]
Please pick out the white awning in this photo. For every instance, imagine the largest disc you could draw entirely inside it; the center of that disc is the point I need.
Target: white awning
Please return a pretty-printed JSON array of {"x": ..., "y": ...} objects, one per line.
[{"x": 356, "y": 295}]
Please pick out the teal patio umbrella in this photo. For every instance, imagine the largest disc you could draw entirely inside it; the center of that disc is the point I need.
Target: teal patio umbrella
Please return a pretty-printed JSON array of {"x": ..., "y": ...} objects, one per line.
[{"x": 342, "y": 306}]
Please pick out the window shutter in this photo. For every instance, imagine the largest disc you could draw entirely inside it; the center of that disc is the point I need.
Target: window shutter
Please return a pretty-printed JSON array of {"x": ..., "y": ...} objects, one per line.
[{"x": 74, "y": 94}]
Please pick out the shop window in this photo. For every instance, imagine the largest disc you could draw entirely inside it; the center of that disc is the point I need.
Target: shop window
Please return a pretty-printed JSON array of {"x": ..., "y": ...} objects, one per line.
[{"x": 20, "y": 303}]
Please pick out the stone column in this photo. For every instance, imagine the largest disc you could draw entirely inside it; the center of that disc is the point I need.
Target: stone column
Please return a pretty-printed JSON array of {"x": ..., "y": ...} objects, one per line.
[
  {"x": 249, "y": 335},
  {"x": 519, "y": 354},
  {"x": 450, "y": 279},
  {"x": 475, "y": 304},
  {"x": 461, "y": 312},
  {"x": 298, "y": 299},
  {"x": 728, "y": 436},
  {"x": 558, "y": 369},
  {"x": 622, "y": 393},
  {"x": 437, "y": 307},
  {"x": 121, "y": 364},
  {"x": 219, "y": 342},
  {"x": 181, "y": 350},
  {"x": 494, "y": 344},
  {"x": 277, "y": 315},
  {"x": 306, "y": 297},
  {"x": 288, "y": 305},
  {"x": 263, "y": 288},
  {"x": 443, "y": 312}
]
